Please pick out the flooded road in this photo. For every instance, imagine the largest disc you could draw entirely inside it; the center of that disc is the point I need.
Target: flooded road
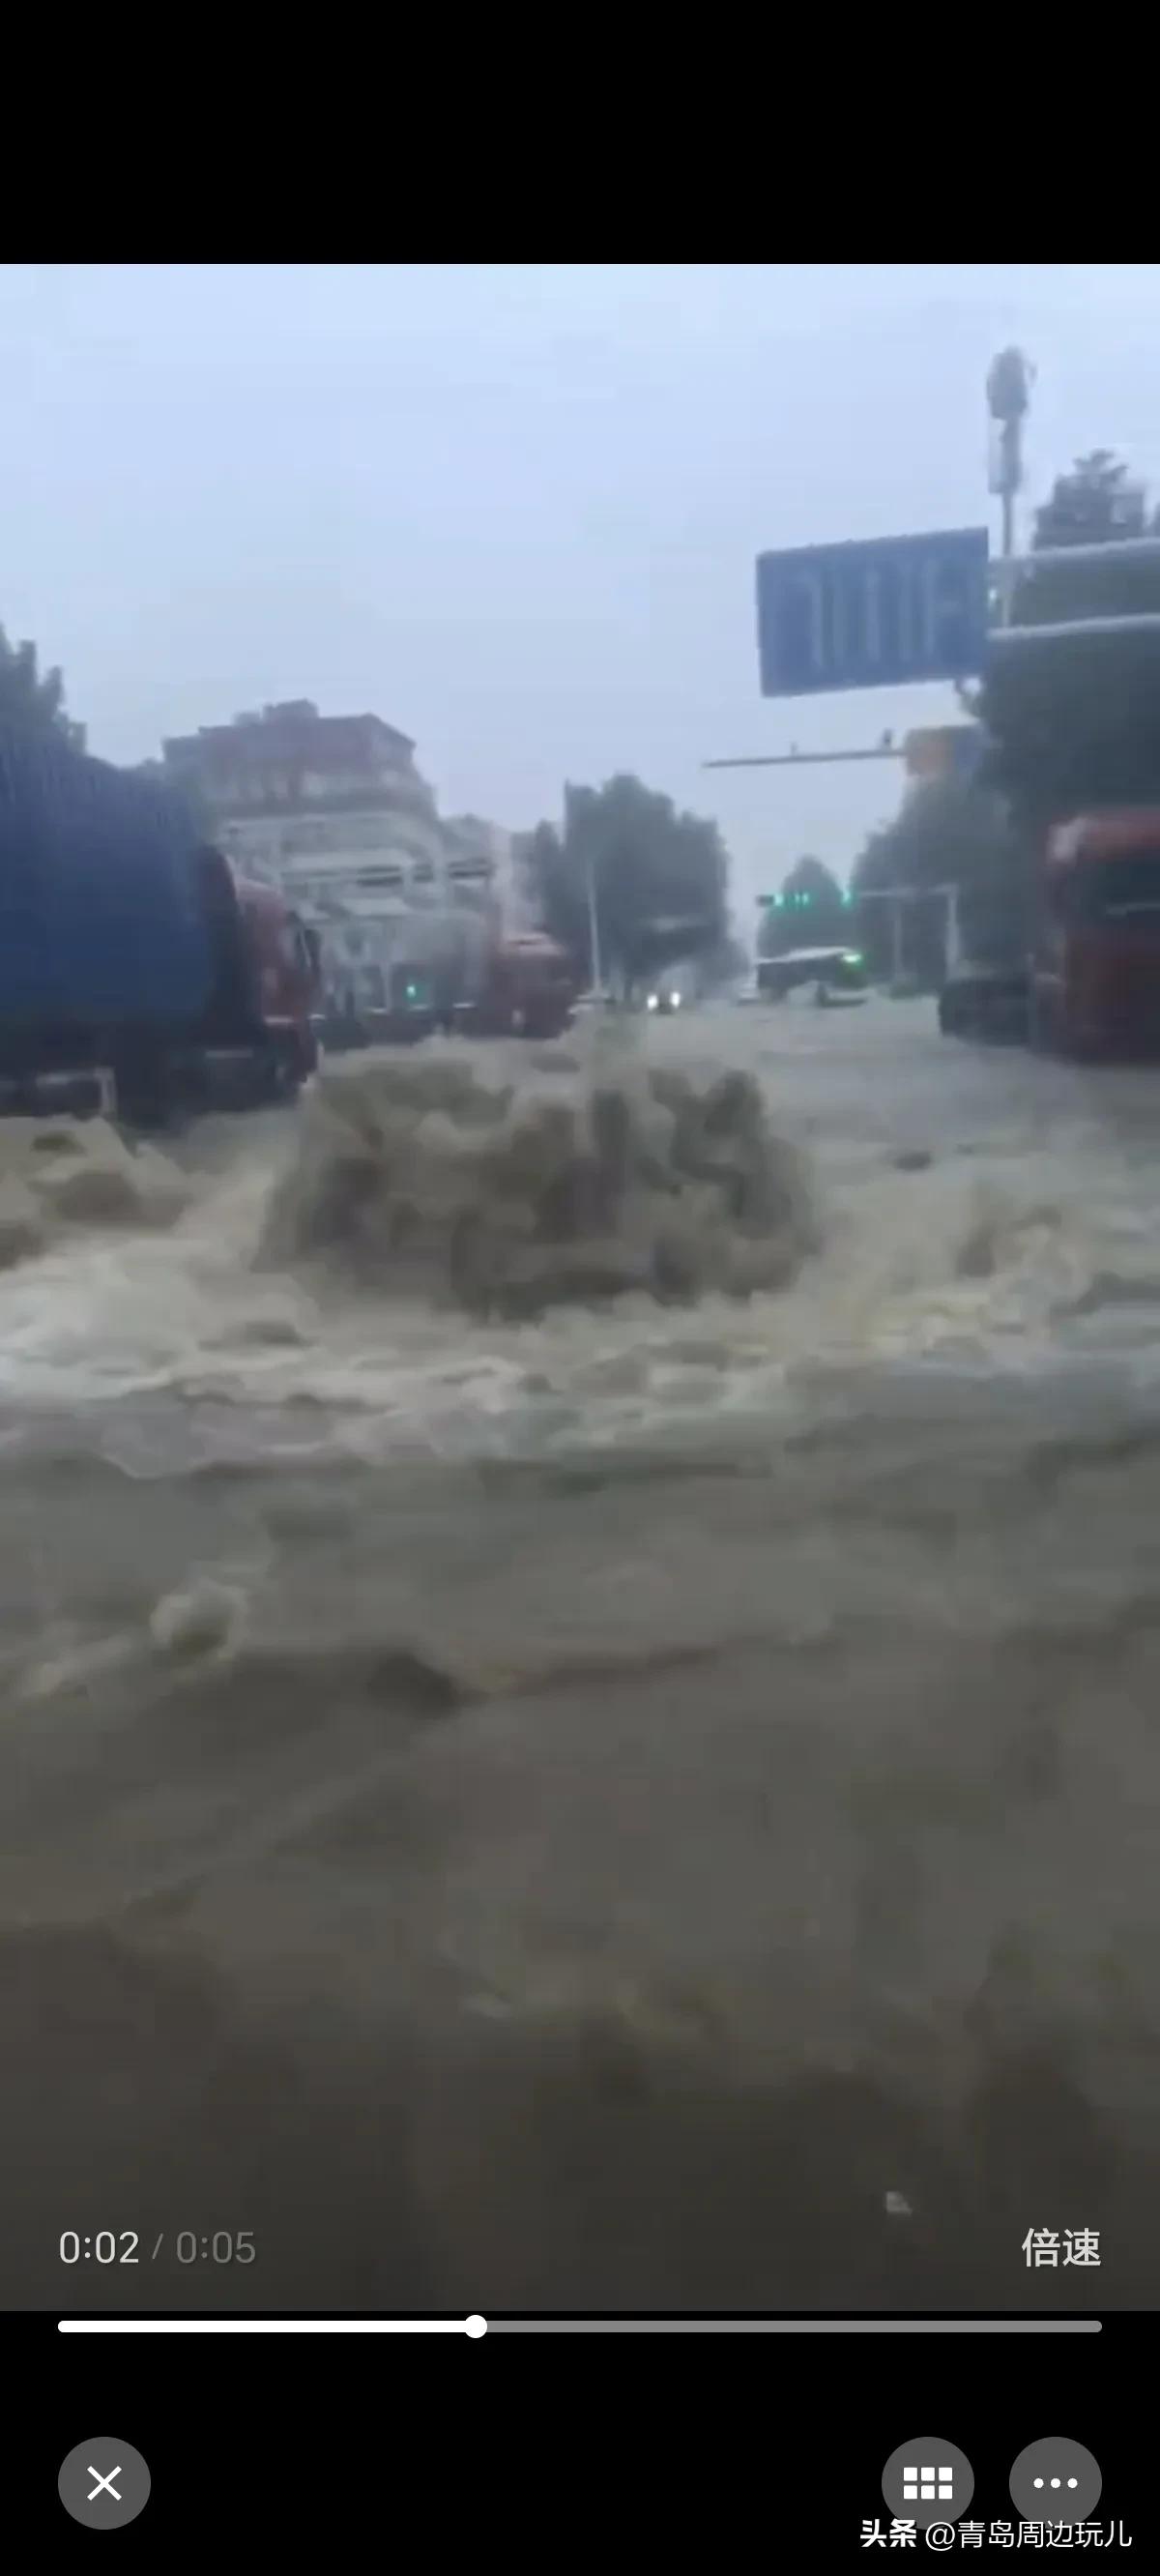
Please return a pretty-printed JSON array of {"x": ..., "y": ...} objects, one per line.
[{"x": 645, "y": 1806}]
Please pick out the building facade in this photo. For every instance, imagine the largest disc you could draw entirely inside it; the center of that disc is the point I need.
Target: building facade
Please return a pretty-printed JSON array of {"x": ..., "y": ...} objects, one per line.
[
  {"x": 334, "y": 811},
  {"x": 318, "y": 804},
  {"x": 488, "y": 866}
]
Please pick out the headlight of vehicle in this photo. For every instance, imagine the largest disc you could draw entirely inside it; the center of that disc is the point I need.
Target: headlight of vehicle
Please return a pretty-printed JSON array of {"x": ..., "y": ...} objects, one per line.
[{"x": 653, "y": 1002}]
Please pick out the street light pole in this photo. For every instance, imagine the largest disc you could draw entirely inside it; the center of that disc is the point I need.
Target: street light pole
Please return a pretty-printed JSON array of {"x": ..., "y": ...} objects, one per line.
[{"x": 582, "y": 838}]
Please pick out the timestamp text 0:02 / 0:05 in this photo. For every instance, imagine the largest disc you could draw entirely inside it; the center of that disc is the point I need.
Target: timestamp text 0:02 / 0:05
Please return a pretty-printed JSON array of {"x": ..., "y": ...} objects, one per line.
[{"x": 107, "y": 2247}]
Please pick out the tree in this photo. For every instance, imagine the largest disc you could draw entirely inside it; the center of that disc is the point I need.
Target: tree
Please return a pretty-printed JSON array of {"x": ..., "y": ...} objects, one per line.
[
  {"x": 34, "y": 699},
  {"x": 810, "y": 911},
  {"x": 1095, "y": 504},
  {"x": 1078, "y": 721},
  {"x": 659, "y": 878}
]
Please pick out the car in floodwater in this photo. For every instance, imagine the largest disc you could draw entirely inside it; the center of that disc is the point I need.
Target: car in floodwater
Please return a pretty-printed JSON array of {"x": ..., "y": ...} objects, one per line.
[{"x": 838, "y": 975}]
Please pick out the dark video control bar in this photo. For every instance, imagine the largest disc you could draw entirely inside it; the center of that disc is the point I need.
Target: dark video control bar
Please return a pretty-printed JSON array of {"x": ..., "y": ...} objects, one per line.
[{"x": 476, "y": 2326}]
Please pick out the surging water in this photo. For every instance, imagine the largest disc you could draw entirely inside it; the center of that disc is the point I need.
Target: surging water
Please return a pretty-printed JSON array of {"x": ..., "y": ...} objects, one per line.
[
  {"x": 990, "y": 1247},
  {"x": 699, "y": 1755}
]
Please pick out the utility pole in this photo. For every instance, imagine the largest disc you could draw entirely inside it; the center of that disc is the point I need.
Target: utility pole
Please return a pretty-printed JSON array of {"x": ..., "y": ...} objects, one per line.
[{"x": 590, "y": 895}]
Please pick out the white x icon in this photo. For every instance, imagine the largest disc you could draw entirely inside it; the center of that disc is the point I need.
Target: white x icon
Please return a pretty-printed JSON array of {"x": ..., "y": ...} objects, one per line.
[{"x": 105, "y": 2486}]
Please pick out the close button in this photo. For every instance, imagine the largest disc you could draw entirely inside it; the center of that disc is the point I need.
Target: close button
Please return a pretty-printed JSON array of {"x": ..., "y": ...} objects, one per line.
[{"x": 104, "y": 2484}]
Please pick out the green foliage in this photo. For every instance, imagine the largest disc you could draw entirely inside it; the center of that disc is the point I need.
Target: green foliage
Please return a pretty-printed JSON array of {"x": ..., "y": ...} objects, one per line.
[
  {"x": 660, "y": 878},
  {"x": 31, "y": 698},
  {"x": 1095, "y": 504},
  {"x": 1076, "y": 721},
  {"x": 811, "y": 911}
]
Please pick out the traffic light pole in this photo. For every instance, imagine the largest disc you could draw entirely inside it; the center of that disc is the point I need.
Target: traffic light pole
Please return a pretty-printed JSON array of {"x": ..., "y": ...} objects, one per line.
[
  {"x": 896, "y": 897},
  {"x": 805, "y": 759}
]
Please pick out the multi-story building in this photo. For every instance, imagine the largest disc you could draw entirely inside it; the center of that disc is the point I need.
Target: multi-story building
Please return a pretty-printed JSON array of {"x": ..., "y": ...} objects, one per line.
[
  {"x": 334, "y": 811},
  {"x": 487, "y": 866},
  {"x": 331, "y": 805}
]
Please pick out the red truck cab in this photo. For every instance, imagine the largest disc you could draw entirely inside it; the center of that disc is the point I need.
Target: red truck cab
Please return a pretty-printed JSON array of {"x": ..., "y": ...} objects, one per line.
[
  {"x": 1096, "y": 964},
  {"x": 284, "y": 967},
  {"x": 531, "y": 987}
]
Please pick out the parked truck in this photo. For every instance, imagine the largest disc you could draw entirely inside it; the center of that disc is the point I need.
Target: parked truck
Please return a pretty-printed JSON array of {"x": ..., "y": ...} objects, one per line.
[
  {"x": 1078, "y": 971},
  {"x": 527, "y": 989},
  {"x": 138, "y": 973},
  {"x": 450, "y": 970}
]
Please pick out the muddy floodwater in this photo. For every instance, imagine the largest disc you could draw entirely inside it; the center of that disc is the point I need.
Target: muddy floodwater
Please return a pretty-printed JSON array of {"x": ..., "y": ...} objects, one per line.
[{"x": 651, "y": 1803}]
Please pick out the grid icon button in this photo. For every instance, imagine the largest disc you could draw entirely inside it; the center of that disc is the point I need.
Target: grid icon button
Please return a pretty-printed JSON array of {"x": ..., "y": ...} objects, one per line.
[{"x": 922, "y": 2483}]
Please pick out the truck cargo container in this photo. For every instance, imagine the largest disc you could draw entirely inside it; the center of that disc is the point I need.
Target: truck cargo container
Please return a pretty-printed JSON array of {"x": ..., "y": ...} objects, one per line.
[{"x": 137, "y": 971}]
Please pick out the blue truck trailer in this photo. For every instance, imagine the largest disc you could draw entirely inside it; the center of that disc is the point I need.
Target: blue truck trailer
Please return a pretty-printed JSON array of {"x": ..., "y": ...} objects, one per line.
[{"x": 137, "y": 973}]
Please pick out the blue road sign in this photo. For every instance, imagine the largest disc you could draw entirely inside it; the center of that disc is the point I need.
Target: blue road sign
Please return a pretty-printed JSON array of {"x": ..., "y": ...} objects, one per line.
[{"x": 872, "y": 615}]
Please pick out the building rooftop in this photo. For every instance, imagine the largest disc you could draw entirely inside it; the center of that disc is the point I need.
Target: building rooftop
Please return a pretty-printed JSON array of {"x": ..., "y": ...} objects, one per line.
[{"x": 292, "y": 733}]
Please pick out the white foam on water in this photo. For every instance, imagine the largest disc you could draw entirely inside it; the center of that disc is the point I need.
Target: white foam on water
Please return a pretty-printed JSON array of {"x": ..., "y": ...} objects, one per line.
[{"x": 1033, "y": 1230}]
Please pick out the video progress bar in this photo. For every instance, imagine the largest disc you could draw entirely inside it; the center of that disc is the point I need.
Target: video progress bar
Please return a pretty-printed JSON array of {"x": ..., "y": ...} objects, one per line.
[
  {"x": 796, "y": 2325},
  {"x": 476, "y": 2326},
  {"x": 473, "y": 2326}
]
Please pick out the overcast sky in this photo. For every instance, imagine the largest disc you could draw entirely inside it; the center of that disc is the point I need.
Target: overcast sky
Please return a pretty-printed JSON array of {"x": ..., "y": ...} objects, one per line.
[{"x": 515, "y": 509}]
